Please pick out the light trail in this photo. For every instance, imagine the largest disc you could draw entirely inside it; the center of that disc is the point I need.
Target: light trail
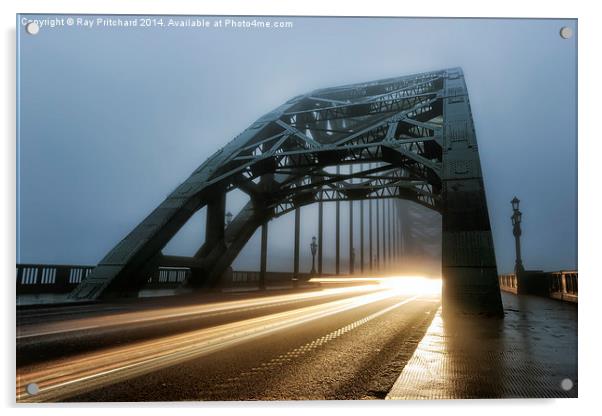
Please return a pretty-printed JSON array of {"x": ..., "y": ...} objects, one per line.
[
  {"x": 209, "y": 309},
  {"x": 61, "y": 378}
]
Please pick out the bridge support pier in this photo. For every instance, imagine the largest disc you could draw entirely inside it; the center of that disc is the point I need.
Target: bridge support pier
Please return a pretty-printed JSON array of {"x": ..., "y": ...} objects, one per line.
[{"x": 470, "y": 281}]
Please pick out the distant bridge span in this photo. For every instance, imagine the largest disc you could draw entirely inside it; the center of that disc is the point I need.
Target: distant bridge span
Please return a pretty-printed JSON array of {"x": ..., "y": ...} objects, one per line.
[{"x": 409, "y": 137}]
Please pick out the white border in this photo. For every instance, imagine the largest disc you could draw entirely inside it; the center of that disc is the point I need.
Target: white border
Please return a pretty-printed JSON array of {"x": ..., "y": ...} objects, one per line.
[{"x": 590, "y": 153}]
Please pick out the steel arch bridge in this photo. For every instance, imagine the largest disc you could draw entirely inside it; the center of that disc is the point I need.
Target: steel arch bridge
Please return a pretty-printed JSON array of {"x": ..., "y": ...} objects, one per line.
[{"x": 409, "y": 137}]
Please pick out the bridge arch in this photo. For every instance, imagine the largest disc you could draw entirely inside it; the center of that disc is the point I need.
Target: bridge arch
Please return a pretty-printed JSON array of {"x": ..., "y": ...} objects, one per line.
[{"x": 408, "y": 137}]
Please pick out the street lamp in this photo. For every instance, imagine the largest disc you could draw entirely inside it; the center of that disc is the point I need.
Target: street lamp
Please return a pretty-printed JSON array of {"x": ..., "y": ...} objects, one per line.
[
  {"x": 516, "y": 230},
  {"x": 314, "y": 248},
  {"x": 516, "y": 220},
  {"x": 228, "y": 218}
]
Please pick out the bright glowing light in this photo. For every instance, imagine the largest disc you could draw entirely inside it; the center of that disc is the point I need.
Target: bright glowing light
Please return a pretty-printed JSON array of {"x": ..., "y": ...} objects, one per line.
[
  {"x": 410, "y": 285},
  {"x": 345, "y": 280},
  {"x": 416, "y": 285}
]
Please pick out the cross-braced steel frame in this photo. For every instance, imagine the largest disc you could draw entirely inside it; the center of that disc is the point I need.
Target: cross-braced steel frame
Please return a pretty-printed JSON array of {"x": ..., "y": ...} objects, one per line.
[{"x": 409, "y": 137}]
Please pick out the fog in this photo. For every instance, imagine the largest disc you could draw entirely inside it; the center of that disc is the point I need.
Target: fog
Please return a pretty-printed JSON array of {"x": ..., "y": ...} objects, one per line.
[{"x": 111, "y": 120}]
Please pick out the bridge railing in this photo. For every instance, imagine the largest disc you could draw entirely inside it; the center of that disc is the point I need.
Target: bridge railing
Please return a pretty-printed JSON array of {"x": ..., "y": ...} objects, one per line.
[
  {"x": 33, "y": 279},
  {"x": 241, "y": 278},
  {"x": 562, "y": 285},
  {"x": 508, "y": 283},
  {"x": 168, "y": 278},
  {"x": 61, "y": 279},
  {"x": 46, "y": 278}
]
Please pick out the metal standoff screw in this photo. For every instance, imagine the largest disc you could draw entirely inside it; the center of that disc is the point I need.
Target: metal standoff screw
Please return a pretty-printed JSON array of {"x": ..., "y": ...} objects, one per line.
[
  {"x": 33, "y": 389},
  {"x": 566, "y": 32},
  {"x": 566, "y": 384},
  {"x": 32, "y": 28}
]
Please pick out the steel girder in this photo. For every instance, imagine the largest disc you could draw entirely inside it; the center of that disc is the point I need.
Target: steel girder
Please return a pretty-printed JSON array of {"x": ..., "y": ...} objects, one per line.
[{"x": 395, "y": 132}]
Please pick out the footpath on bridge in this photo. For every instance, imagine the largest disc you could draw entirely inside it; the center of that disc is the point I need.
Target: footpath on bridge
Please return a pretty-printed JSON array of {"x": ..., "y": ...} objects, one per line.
[{"x": 531, "y": 353}]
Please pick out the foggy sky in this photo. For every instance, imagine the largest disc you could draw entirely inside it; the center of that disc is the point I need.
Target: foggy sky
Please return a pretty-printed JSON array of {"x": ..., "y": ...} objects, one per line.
[{"x": 113, "y": 119}]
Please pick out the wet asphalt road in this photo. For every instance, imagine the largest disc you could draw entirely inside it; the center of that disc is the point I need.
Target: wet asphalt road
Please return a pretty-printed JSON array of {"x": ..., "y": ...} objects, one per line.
[{"x": 350, "y": 344}]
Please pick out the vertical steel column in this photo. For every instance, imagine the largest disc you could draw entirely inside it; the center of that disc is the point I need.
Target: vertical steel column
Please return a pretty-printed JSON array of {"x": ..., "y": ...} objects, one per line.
[
  {"x": 394, "y": 232},
  {"x": 402, "y": 220},
  {"x": 351, "y": 251},
  {"x": 398, "y": 231},
  {"x": 214, "y": 226},
  {"x": 338, "y": 230},
  {"x": 385, "y": 234},
  {"x": 370, "y": 235},
  {"x": 265, "y": 179},
  {"x": 264, "y": 256},
  {"x": 362, "y": 231},
  {"x": 390, "y": 232},
  {"x": 320, "y": 234},
  {"x": 384, "y": 218},
  {"x": 405, "y": 230},
  {"x": 377, "y": 236},
  {"x": 296, "y": 255}
]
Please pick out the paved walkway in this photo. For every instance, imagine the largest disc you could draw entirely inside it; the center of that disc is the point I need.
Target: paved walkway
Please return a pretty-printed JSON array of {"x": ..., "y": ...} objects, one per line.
[{"x": 532, "y": 353}]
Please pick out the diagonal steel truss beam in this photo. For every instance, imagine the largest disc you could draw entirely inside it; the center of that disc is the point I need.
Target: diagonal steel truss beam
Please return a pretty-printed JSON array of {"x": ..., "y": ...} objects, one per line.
[{"x": 417, "y": 133}]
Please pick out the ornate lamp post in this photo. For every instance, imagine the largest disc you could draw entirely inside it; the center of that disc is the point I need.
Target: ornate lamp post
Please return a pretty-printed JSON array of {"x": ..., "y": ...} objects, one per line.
[
  {"x": 228, "y": 218},
  {"x": 516, "y": 230},
  {"x": 314, "y": 249}
]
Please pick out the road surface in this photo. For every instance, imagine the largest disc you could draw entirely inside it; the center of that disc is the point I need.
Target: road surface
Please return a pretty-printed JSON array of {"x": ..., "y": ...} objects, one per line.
[{"x": 346, "y": 342}]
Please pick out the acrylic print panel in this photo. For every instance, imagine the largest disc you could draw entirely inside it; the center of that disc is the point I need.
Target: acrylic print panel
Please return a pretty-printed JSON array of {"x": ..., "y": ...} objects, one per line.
[{"x": 237, "y": 208}]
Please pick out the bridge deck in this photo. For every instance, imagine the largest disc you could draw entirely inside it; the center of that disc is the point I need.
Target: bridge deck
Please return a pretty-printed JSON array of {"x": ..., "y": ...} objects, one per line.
[{"x": 528, "y": 354}]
